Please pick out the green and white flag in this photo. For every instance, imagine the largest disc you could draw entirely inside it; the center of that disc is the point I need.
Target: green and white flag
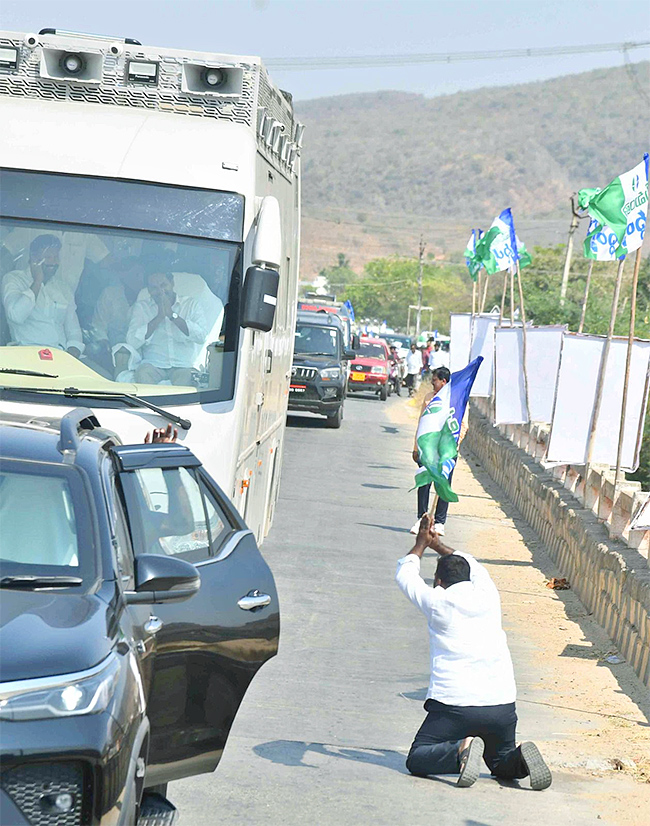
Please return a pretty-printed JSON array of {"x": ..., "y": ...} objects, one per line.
[
  {"x": 495, "y": 249},
  {"x": 473, "y": 263},
  {"x": 619, "y": 214}
]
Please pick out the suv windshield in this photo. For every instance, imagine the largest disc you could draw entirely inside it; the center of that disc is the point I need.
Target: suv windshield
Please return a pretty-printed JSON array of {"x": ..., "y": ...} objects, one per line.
[
  {"x": 44, "y": 522},
  {"x": 136, "y": 303},
  {"x": 371, "y": 351},
  {"x": 312, "y": 340}
]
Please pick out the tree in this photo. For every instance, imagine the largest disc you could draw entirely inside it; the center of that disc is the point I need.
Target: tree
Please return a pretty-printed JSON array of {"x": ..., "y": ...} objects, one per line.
[{"x": 339, "y": 275}]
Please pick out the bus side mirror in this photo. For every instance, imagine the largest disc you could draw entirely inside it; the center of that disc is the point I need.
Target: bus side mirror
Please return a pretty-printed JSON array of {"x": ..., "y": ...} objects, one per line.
[
  {"x": 356, "y": 344},
  {"x": 259, "y": 298}
]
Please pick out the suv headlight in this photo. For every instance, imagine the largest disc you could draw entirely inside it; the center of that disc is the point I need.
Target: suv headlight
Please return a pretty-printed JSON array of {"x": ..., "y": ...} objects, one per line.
[
  {"x": 378, "y": 369},
  {"x": 330, "y": 373},
  {"x": 67, "y": 695}
]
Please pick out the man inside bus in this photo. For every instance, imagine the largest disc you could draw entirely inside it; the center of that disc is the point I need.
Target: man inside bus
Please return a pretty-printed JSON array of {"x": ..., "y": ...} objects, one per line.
[
  {"x": 166, "y": 329},
  {"x": 39, "y": 304}
]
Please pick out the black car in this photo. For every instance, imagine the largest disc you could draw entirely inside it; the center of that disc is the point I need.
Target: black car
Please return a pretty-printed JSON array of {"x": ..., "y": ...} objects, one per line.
[
  {"x": 320, "y": 366},
  {"x": 135, "y": 610}
]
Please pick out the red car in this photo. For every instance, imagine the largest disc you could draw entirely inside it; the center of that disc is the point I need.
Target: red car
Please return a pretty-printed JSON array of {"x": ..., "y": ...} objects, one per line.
[{"x": 369, "y": 368}]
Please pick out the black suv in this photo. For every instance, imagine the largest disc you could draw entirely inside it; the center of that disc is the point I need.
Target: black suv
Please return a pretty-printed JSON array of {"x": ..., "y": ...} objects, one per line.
[
  {"x": 135, "y": 610},
  {"x": 320, "y": 371}
]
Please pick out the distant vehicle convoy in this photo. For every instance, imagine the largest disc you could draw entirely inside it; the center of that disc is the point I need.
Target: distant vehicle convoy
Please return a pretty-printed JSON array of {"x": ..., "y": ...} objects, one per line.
[{"x": 135, "y": 611}]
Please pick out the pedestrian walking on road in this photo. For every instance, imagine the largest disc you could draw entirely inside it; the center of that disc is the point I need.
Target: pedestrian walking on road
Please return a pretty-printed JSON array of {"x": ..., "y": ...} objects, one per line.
[
  {"x": 470, "y": 703},
  {"x": 413, "y": 367},
  {"x": 439, "y": 377}
]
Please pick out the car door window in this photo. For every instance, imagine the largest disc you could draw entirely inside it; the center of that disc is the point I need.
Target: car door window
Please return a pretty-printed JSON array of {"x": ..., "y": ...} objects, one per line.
[
  {"x": 123, "y": 548},
  {"x": 167, "y": 513},
  {"x": 218, "y": 523}
]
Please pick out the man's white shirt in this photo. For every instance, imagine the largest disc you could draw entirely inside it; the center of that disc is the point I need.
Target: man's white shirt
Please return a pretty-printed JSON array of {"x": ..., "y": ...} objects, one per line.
[
  {"x": 49, "y": 319},
  {"x": 413, "y": 362},
  {"x": 470, "y": 660},
  {"x": 168, "y": 347}
]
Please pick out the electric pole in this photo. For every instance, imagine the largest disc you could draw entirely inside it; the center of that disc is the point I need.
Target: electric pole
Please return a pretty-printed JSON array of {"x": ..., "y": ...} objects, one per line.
[{"x": 418, "y": 319}]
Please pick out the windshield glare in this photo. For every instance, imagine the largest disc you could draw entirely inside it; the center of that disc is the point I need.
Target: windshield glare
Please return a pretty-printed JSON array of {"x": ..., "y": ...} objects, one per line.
[
  {"x": 118, "y": 308},
  {"x": 37, "y": 544},
  {"x": 316, "y": 340},
  {"x": 372, "y": 351}
]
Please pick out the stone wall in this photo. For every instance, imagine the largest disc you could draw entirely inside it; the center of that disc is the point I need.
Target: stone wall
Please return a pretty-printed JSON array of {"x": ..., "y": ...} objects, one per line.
[{"x": 611, "y": 578}]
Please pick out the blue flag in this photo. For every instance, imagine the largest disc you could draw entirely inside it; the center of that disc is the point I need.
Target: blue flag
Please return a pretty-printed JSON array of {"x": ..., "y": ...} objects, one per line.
[
  {"x": 348, "y": 306},
  {"x": 439, "y": 431},
  {"x": 508, "y": 220}
]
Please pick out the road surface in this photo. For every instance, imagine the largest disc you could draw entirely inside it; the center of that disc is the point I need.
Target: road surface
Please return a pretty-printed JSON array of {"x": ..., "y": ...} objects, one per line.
[{"x": 323, "y": 732}]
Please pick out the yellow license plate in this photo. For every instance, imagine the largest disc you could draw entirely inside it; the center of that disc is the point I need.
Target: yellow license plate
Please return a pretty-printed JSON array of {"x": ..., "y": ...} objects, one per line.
[{"x": 358, "y": 377}]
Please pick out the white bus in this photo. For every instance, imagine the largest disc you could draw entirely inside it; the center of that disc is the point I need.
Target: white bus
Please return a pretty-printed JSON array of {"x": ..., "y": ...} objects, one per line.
[{"x": 150, "y": 222}]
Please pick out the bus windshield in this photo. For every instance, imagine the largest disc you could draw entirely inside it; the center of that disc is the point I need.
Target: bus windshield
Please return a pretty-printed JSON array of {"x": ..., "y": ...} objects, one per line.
[{"x": 113, "y": 307}]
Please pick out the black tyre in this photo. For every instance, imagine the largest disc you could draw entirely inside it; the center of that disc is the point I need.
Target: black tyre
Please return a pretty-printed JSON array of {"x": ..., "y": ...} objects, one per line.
[
  {"x": 336, "y": 418},
  {"x": 383, "y": 393}
]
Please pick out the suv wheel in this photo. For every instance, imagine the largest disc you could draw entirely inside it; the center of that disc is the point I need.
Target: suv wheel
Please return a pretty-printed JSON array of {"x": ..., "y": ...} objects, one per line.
[
  {"x": 383, "y": 393},
  {"x": 336, "y": 419}
]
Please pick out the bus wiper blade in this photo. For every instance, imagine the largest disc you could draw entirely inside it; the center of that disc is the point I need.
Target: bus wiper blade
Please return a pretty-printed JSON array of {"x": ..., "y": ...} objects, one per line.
[
  {"x": 129, "y": 398},
  {"x": 16, "y": 372},
  {"x": 26, "y": 581}
]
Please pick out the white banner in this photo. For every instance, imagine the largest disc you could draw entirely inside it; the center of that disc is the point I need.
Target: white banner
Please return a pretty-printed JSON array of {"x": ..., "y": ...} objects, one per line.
[
  {"x": 460, "y": 334},
  {"x": 543, "y": 346},
  {"x": 575, "y": 397}
]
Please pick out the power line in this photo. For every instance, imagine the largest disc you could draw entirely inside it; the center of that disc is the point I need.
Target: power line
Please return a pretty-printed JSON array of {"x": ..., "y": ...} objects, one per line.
[{"x": 290, "y": 64}]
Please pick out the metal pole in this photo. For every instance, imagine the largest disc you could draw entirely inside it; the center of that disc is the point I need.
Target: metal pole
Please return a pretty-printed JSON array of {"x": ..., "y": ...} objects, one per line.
[
  {"x": 628, "y": 359},
  {"x": 408, "y": 322},
  {"x": 512, "y": 296},
  {"x": 522, "y": 312},
  {"x": 569, "y": 252},
  {"x": 503, "y": 298},
  {"x": 418, "y": 320},
  {"x": 586, "y": 296},
  {"x": 601, "y": 370}
]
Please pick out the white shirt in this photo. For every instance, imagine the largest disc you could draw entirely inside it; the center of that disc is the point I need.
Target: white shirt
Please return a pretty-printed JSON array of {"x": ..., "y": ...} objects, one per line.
[
  {"x": 413, "y": 362},
  {"x": 112, "y": 314},
  {"x": 438, "y": 359},
  {"x": 470, "y": 660},
  {"x": 168, "y": 347},
  {"x": 49, "y": 319},
  {"x": 75, "y": 248}
]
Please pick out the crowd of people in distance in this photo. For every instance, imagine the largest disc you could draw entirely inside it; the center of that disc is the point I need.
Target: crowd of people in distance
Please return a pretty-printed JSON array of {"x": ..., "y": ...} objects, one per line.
[{"x": 144, "y": 321}]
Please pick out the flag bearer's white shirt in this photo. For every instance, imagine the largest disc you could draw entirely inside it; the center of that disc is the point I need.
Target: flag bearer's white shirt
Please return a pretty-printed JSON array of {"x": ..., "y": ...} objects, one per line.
[
  {"x": 470, "y": 660},
  {"x": 49, "y": 319}
]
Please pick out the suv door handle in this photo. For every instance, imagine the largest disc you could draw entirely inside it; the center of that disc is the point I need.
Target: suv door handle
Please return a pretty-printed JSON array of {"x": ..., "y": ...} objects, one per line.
[
  {"x": 153, "y": 625},
  {"x": 254, "y": 599}
]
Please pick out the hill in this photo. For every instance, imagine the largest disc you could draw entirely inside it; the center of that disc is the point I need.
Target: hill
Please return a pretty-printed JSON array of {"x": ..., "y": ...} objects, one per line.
[{"x": 380, "y": 168}]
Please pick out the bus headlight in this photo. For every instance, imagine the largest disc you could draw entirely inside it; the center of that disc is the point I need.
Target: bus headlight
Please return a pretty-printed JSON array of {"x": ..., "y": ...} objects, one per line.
[
  {"x": 68, "y": 695},
  {"x": 330, "y": 373}
]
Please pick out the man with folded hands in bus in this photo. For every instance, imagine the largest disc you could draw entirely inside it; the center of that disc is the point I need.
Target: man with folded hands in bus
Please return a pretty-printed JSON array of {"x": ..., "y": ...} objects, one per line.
[
  {"x": 166, "y": 329},
  {"x": 471, "y": 698}
]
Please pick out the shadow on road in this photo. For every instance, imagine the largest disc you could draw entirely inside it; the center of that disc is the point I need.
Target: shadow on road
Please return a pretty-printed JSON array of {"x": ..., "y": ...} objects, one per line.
[
  {"x": 292, "y": 753},
  {"x": 306, "y": 421},
  {"x": 379, "y": 487},
  {"x": 384, "y": 527}
]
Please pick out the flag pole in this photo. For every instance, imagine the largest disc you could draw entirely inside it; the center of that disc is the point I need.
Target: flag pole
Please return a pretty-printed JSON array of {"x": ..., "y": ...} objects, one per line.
[
  {"x": 473, "y": 298},
  {"x": 628, "y": 359},
  {"x": 575, "y": 217},
  {"x": 601, "y": 370},
  {"x": 524, "y": 354},
  {"x": 503, "y": 298},
  {"x": 485, "y": 289},
  {"x": 512, "y": 296},
  {"x": 434, "y": 504},
  {"x": 586, "y": 296}
]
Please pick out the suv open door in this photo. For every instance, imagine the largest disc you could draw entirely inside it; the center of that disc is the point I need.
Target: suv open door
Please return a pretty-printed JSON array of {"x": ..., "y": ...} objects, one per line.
[{"x": 208, "y": 648}]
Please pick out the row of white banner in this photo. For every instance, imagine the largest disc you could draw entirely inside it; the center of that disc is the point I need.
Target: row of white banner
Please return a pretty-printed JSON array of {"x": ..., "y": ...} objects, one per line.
[{"x": 562, "y": 370}]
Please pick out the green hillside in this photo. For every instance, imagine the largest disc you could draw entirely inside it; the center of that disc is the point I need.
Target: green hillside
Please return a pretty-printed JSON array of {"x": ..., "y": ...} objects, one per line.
[{"x": 466, "y": 156}]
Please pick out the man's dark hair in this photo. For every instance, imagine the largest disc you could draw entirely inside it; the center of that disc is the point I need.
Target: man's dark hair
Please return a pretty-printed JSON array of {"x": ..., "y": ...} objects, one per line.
[
  {"x": 44, "y": 242},
  {"x": 452, "y": 569},
  {"x": 441, "y": 373}
]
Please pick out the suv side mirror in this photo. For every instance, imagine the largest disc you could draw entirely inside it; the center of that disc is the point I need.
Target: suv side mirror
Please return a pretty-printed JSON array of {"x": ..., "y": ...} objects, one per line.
[
  {"x": 259, "y": 298},
  {"x": 355, "y": 342},
  {"x": 163, "y": 579},
  {"x": 348, "y": 355}
]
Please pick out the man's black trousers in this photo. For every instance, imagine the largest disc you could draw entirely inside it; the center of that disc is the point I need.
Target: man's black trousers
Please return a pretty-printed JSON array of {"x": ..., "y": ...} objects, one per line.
[{"x": 435, "y": 748}]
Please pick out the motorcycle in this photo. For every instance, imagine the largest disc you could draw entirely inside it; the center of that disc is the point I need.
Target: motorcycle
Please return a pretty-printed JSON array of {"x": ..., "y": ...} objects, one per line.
[{"x": 394, "y": 378}]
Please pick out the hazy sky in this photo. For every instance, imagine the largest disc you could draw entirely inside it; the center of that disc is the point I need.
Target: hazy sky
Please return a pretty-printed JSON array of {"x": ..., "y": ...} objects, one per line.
[{"x": 314, "y": 28}]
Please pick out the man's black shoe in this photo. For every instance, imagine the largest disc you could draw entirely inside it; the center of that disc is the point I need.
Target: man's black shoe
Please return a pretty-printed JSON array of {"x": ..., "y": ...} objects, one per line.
[
  {"x": 470, "y": 763},
  {"x": 539, "y": 772}
]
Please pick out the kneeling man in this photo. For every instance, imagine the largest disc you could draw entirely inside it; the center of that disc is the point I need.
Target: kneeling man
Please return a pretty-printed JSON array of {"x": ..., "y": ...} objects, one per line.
[{"x": 471, "y": 698}]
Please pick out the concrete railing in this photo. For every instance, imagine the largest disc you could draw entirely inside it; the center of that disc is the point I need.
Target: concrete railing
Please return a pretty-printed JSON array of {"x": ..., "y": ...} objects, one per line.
[{"x": 586, "y": 537}]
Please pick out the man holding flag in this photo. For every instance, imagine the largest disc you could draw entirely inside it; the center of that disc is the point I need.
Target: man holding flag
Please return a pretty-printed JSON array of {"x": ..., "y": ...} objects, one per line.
[{"x": 441, "y": 428}]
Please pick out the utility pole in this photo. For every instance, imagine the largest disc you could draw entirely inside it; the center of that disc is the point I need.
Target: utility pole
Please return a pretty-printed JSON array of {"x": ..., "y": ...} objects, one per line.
[
  {"x": 575, "y": 219},
  {"x": 418, "y": 318}
]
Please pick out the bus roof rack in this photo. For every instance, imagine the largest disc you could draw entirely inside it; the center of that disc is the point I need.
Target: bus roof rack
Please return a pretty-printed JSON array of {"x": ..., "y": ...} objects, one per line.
[
  {"x": 69, "y": 33},
  {"x": 81, "y": 418}
]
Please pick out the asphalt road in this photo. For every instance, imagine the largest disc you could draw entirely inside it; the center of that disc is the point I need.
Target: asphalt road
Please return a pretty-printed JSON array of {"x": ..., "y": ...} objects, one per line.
[{"x": 323, "y": 732}]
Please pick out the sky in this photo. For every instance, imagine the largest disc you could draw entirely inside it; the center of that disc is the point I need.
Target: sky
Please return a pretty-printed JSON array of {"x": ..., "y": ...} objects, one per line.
[{"x": 317, "y": 28}]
